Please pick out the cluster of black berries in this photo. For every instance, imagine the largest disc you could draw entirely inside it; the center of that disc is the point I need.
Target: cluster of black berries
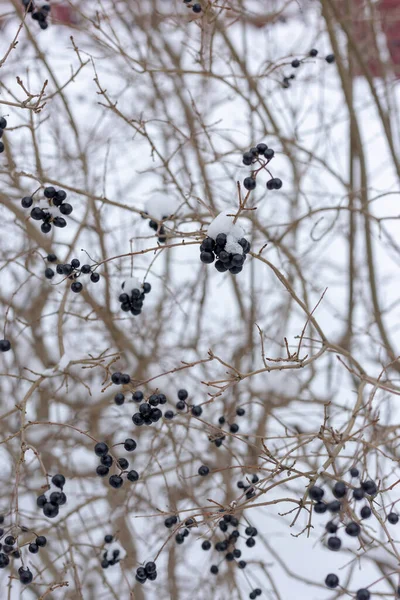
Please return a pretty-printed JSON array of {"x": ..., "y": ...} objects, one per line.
[
  {"x": 148, "y": 411},
  {"x": 5, "y": 345},
  {"x": 115, "y": 554},
  {"x": 195, "y": 409},
  {"x": 196, "y": 8},
  {"x": 8, "y": 549},
  {"x": 55, "y": 198},
  {"x": 248, "y": 488},
  {"x": 257, "y": 154},
  {"x": 229, "y": 543},
  {"x": 38, "y": 14},
  {"x": 217, "y": 439},
  {"x": 157, "y": 226},
  {"x": 148, "y": 572},
  {"x": 106, "y": 461},
  {"x": 227, "y": 261},
  {"x": 181, "y": 536},
  {"x": 74, "y": 270},
  {"x": 296, "y": 64},
  {"x": 134, "y": 302},
  {"x": 24, "y": 573},
  {"x": 56, "y": 499},
  {"x": 340, "y": 492},
  {"x": 3, "y": 125}
]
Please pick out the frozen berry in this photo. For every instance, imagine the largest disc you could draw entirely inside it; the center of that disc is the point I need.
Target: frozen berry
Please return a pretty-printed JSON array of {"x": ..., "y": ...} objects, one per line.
[
  {"x": 339, "y": 490},
  {"x": 27, "y": 202},
  {"x": 5, "y": 346},
  {"x": 331, "y": 527},
  {"x": 332, "y": 581},
  {"x": 334, "y": 543},
  {"x": 313, "y": 52},
  {"x": 203, "y": 470},
  {"x": 59, "y": 222},
  {"x": 33, "y": 548},
  {"x": 49, "y": 192},
  {"x": 331, "y": 59},
  {"x": 50, "y": 510},
  {"x": 358, "y": 494},
  {"x": 116, "y": 481},
  {"x": 119, "y": 399},
  {"x": 58, "y": 480},
  {"x": 363, "y": 594},
  {"x": 100, "y": 449},
  {"x": 41, "y": 541},
  {"x": 129, "y": 444},
  {"x": 123, "y": 463},
  {"x": 334, "y": 506},
  {"x": 37, "y": 214},
  {"x": 133, "y": 475},
  {"x": 393, "y": 518},
  {"x": 249, "y": 183},
  {"x": 66, "y": 209},
  {"x": 207, "y": 257},
  {"x": 354, "y": 472},
  {"x": 196, "y": 411},
  {"x": 247, "y": 158},
  {"x": 316, "y": 493},
  {"x": 353, "y": 529},
  {"x": 369, "y": 488},
  {"x": 365, "y": 512},
  {"x": 320, "y": 508},
  {"x": 25, "y": 575}
]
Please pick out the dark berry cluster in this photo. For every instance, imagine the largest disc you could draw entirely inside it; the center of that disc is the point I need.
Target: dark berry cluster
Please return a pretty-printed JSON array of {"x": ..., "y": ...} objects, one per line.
[
  {"x": 297, "y": 62},
  {"x": 248, "y": 488},
  {"x": 5, "y": 345},
  {"x": 46, "y": 210},
  {"x": 133, "y": 301},
  {"x": 51, "y": 502},
  {"x": 227, "y": 261},
  {"x": 111, "y": 556},
  {"x": 196, "y": 8},
  {"x": 229, "y": 544},
  {"x": 38, "y": 14},
  {"x": 73, "y": 271},
  {"x": 106, "y": 461},
  {"x": 148, "y": 409},
  {"x": 148, "y": 572},
  {"x": 157, "y": 226},
  {"x": 261, "y": 156},
  {"x": 347, "y": 497},
  {"x": 195, "y": 409},
  {"x": 9, "y": 550},
  {"x": 3, "y": 125}
]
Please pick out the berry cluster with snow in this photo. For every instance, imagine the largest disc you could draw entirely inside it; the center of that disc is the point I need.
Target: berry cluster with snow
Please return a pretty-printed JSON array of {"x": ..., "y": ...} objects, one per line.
[
  {"x": 159, "y": 209},
  {"x": 133, "y": 295},
  {"x": 226, "y": 241}
]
